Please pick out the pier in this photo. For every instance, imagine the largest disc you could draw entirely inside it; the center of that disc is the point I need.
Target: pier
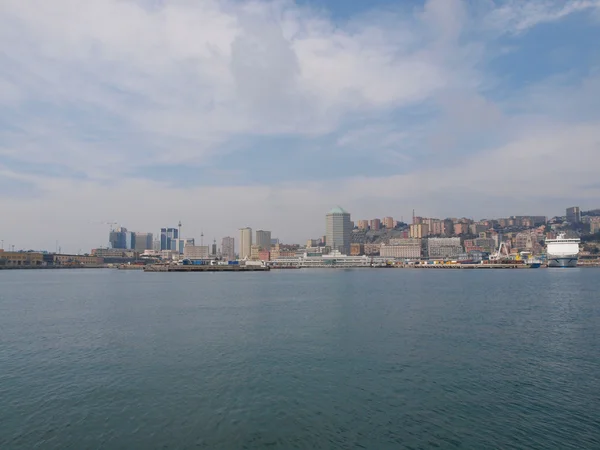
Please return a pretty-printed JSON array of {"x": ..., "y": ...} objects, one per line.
[{"x": 204, "y": 268}]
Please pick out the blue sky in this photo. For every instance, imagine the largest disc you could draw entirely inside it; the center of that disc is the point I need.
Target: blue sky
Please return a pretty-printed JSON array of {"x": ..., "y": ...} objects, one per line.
[{"x": 226, "y": 114}]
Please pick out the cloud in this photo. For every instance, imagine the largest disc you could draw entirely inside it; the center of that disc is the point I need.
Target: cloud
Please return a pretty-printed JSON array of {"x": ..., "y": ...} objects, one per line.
[
  {"x": 516, "y": 16},
  {"x": 266, "y": 113}
]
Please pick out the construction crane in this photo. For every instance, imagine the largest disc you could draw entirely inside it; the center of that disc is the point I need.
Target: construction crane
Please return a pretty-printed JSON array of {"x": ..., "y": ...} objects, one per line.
[{"x": 111, "y": 224}]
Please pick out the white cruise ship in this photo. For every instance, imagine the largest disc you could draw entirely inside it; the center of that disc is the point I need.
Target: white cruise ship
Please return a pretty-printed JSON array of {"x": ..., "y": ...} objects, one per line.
[{"x": 562, "y": 251}]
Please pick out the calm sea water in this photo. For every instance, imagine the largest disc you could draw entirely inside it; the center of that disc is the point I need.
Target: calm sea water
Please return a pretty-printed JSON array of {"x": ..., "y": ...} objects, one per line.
[{"x": 326, "y": 359}]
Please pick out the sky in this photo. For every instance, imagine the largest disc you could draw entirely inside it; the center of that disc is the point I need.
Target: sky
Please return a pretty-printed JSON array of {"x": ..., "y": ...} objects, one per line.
[{"x": 225, "y": 114}]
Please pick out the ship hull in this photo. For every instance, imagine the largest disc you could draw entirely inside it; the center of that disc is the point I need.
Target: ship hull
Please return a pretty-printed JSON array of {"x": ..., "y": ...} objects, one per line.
[{"x": 562, "y": 261}]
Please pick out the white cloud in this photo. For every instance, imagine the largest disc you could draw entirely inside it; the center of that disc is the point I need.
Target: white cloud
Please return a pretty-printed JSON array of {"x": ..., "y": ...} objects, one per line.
[
  {"x": 516, "y": 16},
  {"x": 104, "y": 87}
]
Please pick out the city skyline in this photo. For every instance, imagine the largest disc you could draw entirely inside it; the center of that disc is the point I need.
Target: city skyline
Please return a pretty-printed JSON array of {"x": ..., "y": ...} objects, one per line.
[
  {"x": 424, "y": 226},
  {"x": 454, "y": 108}
]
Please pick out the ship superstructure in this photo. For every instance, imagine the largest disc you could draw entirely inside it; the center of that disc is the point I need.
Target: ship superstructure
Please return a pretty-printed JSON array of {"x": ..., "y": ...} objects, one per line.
[{"x": 562, "y": 251}]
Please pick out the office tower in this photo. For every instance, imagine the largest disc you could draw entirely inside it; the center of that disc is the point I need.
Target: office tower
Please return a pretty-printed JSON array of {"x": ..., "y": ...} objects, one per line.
[
  {"x": 214, "y": 247},
  {"x": 142, "y": 241},
  {"x": 263, "y": 239},
  {"x": 338, "y": 230},
  {"x": 574, "y": 215},
  {"x": 228, "y": 248},
  {"x": 167, "y": 235},
  {"x": 245, "y": 242},
  {"x": 118, "y": 238}
]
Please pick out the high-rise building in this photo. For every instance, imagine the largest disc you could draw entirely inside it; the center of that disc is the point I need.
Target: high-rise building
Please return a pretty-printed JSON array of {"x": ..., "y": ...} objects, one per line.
[
  {"x": 142, "y": 241},
  {"x": 388, "y": 222},
  {"x": 119, "y": 238},
  {"x": 574, "y": 214},
  {"x": 338, "y": 230},
  {"x": 214, "y": 248},
  {"x": 245, "y": 242},
  {"x": 375, "y": 224},
  {"x": 167, "y": 235},
  {"x": 228, "y": 248},
  {"x": 419, "y": 231},
  {"x": 263, "y": 239}
]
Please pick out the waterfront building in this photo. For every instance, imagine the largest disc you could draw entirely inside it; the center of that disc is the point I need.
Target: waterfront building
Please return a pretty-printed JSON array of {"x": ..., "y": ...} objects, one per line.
[
  {"x": 167, "y": 235},
  {"x": 574, "y": 214},
  {"x": 338, "y": 230},
  {"x": 196, "y": 252},
  {"x": 228, "y": 248},
  {"x": 112, "y": 253},
  {"x": 168, "y": 255},
  {"x": 357, "y": 249},
  {"x": 275, "y": 251},
  {"x": 402, "y": 248},
  {"x": 245, "y": 242},
  {"x": 375, "y": 224},
  {"x": 26, "y": 259},
  {"x": 60, "y": 259},
  {"x": 333, "y": 259},
  {"x": 372, "y": 249},
  {"x": 388, "y": 222},
  {"x": 264, "y": 255},
  {"x": 441, "y": 248},
  {"x": 254, "y": 252},
  {"x": 263, "y": 239}
]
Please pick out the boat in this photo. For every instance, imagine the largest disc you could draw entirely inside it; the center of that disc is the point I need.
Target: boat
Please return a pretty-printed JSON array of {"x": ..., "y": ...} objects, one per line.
[
  {"x": 562, "y": 251},
  {"x": 531, "y": 261}
]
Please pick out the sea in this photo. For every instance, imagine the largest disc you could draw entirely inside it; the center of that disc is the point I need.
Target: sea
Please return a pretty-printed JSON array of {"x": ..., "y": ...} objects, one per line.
[{"x": 300, "y": 359}]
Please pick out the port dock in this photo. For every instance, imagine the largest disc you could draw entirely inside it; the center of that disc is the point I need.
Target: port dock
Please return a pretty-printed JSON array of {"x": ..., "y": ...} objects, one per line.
[
  {"x": 204, "y": 268},
  {"x": 469, "y": 266}
]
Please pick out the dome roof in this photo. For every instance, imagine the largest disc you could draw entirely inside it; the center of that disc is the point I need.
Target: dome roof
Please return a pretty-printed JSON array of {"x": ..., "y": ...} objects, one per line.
[{"x": 338, "y": 210}]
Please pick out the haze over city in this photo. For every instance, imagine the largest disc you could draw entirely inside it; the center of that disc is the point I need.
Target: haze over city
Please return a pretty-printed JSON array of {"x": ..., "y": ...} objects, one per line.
[{"x": 226, "y": 114}]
